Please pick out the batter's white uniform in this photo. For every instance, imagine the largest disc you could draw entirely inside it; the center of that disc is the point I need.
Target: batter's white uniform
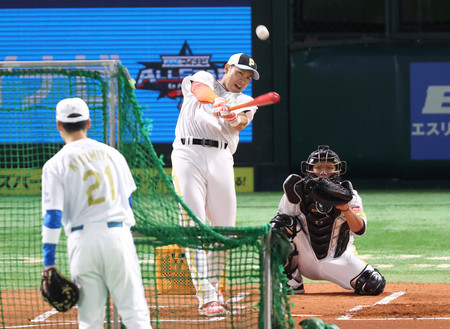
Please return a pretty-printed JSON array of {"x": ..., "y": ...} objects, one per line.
[
  {"x": 203, "y": 176},
  {"x": 90, "y": 182},
  {"x": 340, "y": 270}
]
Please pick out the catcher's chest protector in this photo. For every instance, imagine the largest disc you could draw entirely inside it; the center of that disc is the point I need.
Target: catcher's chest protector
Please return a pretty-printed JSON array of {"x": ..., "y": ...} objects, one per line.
[{"x": 320, "y": 221}]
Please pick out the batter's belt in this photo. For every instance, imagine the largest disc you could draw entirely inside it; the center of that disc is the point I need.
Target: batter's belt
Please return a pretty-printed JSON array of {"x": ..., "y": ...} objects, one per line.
[{"x": 204, "y": 142}]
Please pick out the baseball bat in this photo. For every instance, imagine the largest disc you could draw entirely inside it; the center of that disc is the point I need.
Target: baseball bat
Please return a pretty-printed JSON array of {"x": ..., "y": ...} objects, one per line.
[{"x": 266, "y": 99}]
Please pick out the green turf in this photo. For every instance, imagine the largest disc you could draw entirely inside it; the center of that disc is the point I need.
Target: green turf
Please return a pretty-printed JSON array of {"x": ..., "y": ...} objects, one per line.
[
  {"x": 406, "y": 238},
  {"x": 407, "y": 233},
  {"x": 21, "y": 242}
]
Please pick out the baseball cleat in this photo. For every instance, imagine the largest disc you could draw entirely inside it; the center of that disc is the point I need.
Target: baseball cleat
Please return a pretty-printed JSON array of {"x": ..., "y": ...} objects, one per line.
[
  {"x": 297, "y": 287},
  {"x": 212, "y": 309},
  {"x": 298, "y": 291}
]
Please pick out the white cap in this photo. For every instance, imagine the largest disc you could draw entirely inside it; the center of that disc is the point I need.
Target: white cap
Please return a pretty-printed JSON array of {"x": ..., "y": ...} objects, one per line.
[
  {"x": 72, "y": 110},
  {"x": 244, "y": 62}
]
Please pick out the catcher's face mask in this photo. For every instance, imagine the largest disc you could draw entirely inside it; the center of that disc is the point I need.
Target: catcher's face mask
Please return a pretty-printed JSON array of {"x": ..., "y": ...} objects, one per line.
[
  {"x": 324, "y": 169},
  {"x": 323, "y": 155}
]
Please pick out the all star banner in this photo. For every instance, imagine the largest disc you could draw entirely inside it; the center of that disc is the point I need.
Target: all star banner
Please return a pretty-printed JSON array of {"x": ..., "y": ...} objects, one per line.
[{"x": 160, "y": 43}]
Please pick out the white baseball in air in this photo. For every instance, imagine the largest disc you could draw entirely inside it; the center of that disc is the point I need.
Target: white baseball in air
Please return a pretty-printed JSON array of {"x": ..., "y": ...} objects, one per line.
[{"x": 262, "y": 32}]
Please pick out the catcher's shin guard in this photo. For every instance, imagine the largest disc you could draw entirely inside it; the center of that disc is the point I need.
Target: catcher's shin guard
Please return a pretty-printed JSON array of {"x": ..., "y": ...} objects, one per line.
[{"x": 369, "y": 282}]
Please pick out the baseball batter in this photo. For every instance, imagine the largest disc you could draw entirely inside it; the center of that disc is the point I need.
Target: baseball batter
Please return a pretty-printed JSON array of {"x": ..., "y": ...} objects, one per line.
[
  {"x": 87, "y": 187},
  {"x": 206, "y": 137},
  {"x": 322, "y": 236}
]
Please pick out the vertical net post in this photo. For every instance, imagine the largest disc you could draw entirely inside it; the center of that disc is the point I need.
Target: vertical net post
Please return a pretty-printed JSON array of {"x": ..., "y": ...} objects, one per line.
[
  {"x": 268, "y": 281},
  {"x": 113, "y": 96},
  {"x": 115, "y": 318}
]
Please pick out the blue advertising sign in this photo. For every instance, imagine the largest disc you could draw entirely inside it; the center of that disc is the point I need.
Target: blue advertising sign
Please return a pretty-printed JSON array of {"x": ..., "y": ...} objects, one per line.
[
  {"x": 430, "y": 111},
  {"x": 158, "y": 45}
]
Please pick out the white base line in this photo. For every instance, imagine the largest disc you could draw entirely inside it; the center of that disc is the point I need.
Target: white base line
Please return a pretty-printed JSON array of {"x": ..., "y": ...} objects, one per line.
[
  {"x": 396, "y": 319},
  {"x": 384, "y": 301},
  {"x": 44, "y": 316},
  {"x": 211, "y": 319},
  {"x": 42, "y": 325}
]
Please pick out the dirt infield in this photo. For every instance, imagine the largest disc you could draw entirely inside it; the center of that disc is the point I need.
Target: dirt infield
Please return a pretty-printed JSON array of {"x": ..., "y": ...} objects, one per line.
[{"x": 400, "y": 306}]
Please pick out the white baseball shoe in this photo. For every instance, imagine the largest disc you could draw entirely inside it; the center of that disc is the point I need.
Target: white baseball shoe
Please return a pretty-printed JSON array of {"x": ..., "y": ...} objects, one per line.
[
  {"x": 297, "y": 287},
  {"x": 212, "y": 309}
]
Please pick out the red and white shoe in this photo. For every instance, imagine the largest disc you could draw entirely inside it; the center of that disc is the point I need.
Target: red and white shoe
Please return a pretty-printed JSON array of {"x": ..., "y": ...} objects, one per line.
[{"x": 212, "y": 309}]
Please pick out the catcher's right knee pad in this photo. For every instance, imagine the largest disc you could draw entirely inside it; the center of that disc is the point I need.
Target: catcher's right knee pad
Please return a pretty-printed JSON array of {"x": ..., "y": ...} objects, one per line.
[
  {"x": 288, "y": 225},
  {"x": 292, "y": 263},
  {"x": 369, "y": 282}
]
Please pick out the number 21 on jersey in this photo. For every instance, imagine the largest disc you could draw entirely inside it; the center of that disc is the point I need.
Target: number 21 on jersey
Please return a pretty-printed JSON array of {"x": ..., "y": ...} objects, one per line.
[{"x": 97, "y": 181}]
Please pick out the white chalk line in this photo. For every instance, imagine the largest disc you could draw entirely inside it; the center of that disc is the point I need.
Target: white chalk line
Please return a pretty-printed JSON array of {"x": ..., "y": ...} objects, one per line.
[
  {"x": 384, "y": 301},
  {"x": 237, "y": 298},
  {"x": 43, "y": 324},
  {"x": 395, "y": 319},
  {"x": 211, "y": 319},
  {"x": 233, "y": 300}
]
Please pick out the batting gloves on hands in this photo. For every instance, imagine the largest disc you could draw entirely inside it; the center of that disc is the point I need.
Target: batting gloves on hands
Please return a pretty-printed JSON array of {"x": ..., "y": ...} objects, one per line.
[
  {"x": 221, "y": 109},
  {"x": 233, "y": 119}
]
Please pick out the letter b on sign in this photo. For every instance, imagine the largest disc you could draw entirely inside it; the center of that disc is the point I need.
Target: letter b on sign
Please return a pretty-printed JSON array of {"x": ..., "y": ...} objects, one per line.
[{"x": 437, "y": 101}]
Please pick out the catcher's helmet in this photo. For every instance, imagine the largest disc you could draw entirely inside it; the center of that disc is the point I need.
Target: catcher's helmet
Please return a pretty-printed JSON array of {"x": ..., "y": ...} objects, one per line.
[{"x": 323, "y": 154}]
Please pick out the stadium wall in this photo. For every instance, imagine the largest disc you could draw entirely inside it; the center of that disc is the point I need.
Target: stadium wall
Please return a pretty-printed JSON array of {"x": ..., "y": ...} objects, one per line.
[
  {"x": 381, "y": 104},
  {"x": 366, "y": 99}
]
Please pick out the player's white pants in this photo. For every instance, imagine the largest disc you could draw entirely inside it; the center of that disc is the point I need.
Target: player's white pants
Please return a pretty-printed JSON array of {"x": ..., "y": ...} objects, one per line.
[
  {"x": 103, "y": 259},
  {"x": 339, "y": 270},
  {"x": 204, "y": 178}
]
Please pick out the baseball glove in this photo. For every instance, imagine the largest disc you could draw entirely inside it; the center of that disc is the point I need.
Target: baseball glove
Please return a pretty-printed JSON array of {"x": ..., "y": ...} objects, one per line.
[
  {"x": 329, "y": 193},
  {"x": 58, "y": 291}
]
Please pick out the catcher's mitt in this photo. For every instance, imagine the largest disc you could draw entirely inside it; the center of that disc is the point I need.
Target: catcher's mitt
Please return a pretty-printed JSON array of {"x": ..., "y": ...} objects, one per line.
[
  {"x": 58, "y": 291},
  {"x": 329, "y": 193}
]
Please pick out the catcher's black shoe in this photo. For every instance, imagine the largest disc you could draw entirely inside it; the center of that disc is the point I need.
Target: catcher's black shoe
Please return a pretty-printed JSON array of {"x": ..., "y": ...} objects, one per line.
[
  {"x": 297, "y": 291},
  {"x": 297, "y": 287}
]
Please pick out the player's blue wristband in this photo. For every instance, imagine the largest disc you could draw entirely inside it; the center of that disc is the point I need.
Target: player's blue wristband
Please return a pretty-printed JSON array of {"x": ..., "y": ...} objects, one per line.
[
  {"x": 130, "y": 202},
  {"x": 49, "y": 254},
  {"x": 52, "y": 218},
  {"x": 51, "y": 231}
]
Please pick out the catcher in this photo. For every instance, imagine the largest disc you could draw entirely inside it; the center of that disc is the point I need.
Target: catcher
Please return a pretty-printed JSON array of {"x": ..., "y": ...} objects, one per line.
[{"x": 321, "y": 215}]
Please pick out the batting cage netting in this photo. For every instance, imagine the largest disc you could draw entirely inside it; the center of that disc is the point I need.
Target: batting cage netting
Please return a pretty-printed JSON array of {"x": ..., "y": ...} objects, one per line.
[{"x": 245, "y": 261}]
